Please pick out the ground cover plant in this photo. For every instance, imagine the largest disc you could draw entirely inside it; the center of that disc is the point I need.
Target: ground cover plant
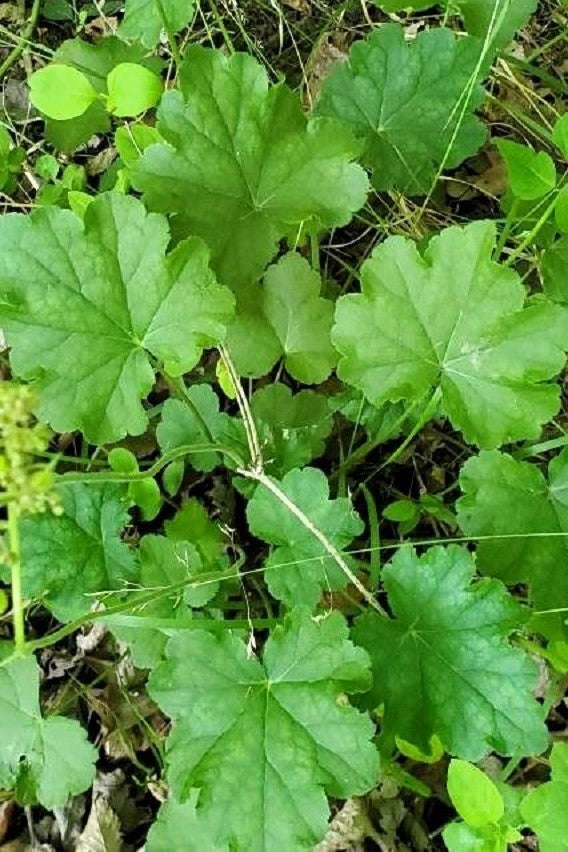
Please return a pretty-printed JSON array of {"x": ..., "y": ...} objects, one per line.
[{"x": 284, "y": 312}]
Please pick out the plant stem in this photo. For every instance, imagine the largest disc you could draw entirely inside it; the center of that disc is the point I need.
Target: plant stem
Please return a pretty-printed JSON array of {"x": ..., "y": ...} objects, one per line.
[
  {"x": 16, "y": 578},
  {"x": 507, "y": 228},
  {"x": 244, "y": 408},
  {"x": 170, "y": 34},
  {"x": 15, "y": 54}
]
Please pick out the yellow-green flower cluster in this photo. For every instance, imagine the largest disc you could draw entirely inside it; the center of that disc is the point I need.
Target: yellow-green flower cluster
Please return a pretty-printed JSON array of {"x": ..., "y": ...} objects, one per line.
[{"x": 25, "y": 483}]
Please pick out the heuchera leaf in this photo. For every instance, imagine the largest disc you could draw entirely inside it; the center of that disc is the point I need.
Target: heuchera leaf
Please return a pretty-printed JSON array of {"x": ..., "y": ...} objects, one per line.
[
  {"x": 44, "y": 760},
  {"x": 553, "y": 268},
  {"x": 68, "y": 558},
  {"x": 143, "y": 19},
  {"x": 285, "y": 317},
  {"x": 446, "y": 647},
  {"x": 500, "y": 19},
  {"x": 412, "y": 104},
  {"x": 242, "y": 166},
  {"x": 177, "y": 820},
  {"x": 282, "y": 728},
  {"x": 299, "y": 569},
  {"x": 453, "y": 319},
  {"x": 83, "y": 305},
  {"x": 544, "y": 809},
  {"x": 504, "y": 497}
]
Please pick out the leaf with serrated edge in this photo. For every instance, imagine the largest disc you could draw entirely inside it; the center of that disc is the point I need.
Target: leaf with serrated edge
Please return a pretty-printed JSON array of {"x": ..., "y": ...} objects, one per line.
[
  {"x": 442, "y": 664},
  {"x": 49, "y": 758},
  {"x": 299, "y": 569},
  {"x": 404, "y": 100},
  {"x": 143, "y": 21},
  {"x": 503, "y": 497},
  {"x": 263, "y": 741},
  {"x": 82, "y": 308},
  {"x": 243, "y": 167},
  {"x": 453, "y": 319}
]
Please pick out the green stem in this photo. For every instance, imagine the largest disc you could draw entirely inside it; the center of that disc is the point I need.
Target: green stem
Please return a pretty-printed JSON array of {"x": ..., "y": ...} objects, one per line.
[
  {"x": 170, "y": 34},
  {"x": 222, "y": 28},
  {"x": 507, "y": 228},
  {"x": 16, "y": 579},
  {"x": 532, "y": 233},
  {"x": 15, "y": 54},
  {"x": 427, "y": 414}
]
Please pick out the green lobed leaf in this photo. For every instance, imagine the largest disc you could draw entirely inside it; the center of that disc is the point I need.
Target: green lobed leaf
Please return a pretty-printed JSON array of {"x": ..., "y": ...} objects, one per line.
[
  {"x": 544, "y": 808},
  {"x": 495, "y": 21},
  {"x": 242, "y": 166},
  {"x": 299, "y": 569},
  {"x": 532, "y": 174},
  {"x": 297, "y": 324},
  {"x": 282, "y": 728},
  {"x": 144, "y": 19},
  {"x": 176, "y": 821},
  {"x": 554, "y": 266},
  {"x": 84, "y": 305},
  {"x": 67, "y": 559},
  {"x": 505, "y": 497},
  {"x": 412, "y": 104},
  {"x": 446, "y": 647},
  {"x": 45, "y": 759},
  {"x": 453, "y": 319}
]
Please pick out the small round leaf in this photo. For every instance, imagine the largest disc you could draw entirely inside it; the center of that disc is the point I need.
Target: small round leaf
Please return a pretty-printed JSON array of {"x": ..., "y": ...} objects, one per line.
[
  {"x": 61, "y": 92},
  {"x": 132, "y": 89}
]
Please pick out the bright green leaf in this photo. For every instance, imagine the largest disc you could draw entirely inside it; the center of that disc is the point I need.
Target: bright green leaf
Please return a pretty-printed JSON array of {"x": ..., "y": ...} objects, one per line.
[
  {"x": 131, "y": 140},
  {"x": 401, "y": 510},
  {"x": 68, "y": 559},
  {"x": 406, "y": 102},
  {"x": 61, "y": 92},
  {"x": 263, "y": 741},
  {"x": 532, "y": 174},
  {"x": 446, "y": 647},
  {"x": 560, "y": 134},
  {"x": 192, "y": 524},
  {"x": 510, "y": 498},
  {"x": 146, "y": 495},
  {"x": 544, "y": 809},
  {"x": 299, "y": 570},
  {"x": 453, "y": 319},
  {"x": 242, "y": 166},
  {"x": 474, "y": 795},
  {"x": 144, "y": 19},
  {"x": 132, "y": 89},
  {"x": 82, "y": 305},
  {"x": 495, "y": 21},
  {"x": 561, "y": 210},
  {"x": 45, "y": 759},
  {"x": 554, "y": 266},
  {"x": 460, "y": 837}
]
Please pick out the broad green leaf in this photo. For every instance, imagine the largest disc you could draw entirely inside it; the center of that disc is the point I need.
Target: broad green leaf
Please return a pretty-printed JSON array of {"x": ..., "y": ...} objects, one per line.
[
  {"x": 144, "y": 19},
  {"x": 178, "y": 824},
  {"x": 446, "y": 647},
  {"x": 95, "y": 61},
  {"x": 262, "y": 742},
  {"x": 197, "y": 420},
  {"x": 495, "y": 21},
  {"x": 67, "y": 559},
  {"x": 44, "y": 759},
  {"x": 132, "y": 89},
  {"x": 514, "y": 502},
  {"x": 192, "y": 524},
  {"x": 544, "y": 809},
  {"x": 560, "y": 134},
  {"x": 554, "y": 266},
  {"x": 473, "y": 794},
  {"x": 298, "y": 324},
  {"x": 561, "y": 210},
  {"x": 292, "y": 427},
  {"x": 243, "y": 167},
  {"x": 532, "y": 174},
  {"x": 132, "y": 139},
  {"x": 453, "y": 319},
  {"x": 412, "y": 104},
  {"x": 299, "y": 570},
  {"x": 61, "y": 92},
  {"x": 163, "y": 562},
  {"x": 84, "y": 304},
  {"x": 460, "y": 837}
]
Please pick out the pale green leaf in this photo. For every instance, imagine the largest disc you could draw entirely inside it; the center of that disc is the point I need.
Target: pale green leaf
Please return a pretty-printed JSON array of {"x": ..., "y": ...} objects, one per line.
[
  {"x": 46, "y": 759},
  {"x": 495, "y": 21},
  {"x": 144, "y": 19},
  {"x": 554, "y": 266},
  {"x": 560, "y": 134},
  {"x": 473, "y": 794},
  {"x": 67, "y": 559},
  {"x": 299, "y": 569},
  {"x": 532, "y": 174},
  {"x": 446, "y": 647},
  {"x": 514, "y": 502},
  {"x": 544, "y": 808},
  {"x": 453, "y": 319},
  {"x": 132, "y": 89},
  {"x": 61, "y": 92},
  {"x": 412, "y": 104},
  {"x": 242, "y": 166},
  {"x": 179, "y": 825},
  {"x": 262, "y": 742},
  {"x": 82, "y": 305}
]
